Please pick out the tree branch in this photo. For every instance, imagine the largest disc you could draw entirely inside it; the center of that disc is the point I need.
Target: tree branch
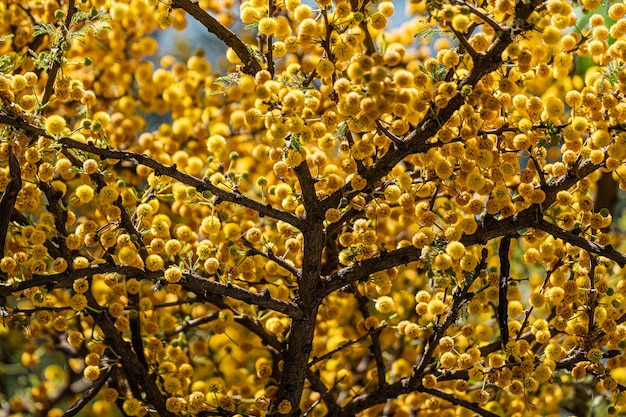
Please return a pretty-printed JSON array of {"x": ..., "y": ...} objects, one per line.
[
  {"x": 503, "y": 301},
  {"x": 9, "y": 197},
  {"x": 133, "y": 368},
  {"x": 200, "y": 185},
  {"x": 251, "y": 64},
  {"x": 56, "y": 63},
  {"x": 592, "y": 247},
  {"x": 270, "y": 256},
  {"x": 192, "y": 281},
  {"x": 458, "y": 401},
  {"x": 91, "y": 392}
]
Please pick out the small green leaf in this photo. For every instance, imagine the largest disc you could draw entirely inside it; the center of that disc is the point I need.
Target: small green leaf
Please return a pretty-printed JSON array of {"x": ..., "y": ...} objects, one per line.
[{"x": 295, "y": 143}]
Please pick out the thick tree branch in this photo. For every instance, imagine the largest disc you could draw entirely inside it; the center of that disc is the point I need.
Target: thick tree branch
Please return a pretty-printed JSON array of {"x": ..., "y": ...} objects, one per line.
[
  {"x": 375, "y": 348},
  {"x": 307, "y": 186},
  {"x": 302, "y": 329},
  {"x": 160, "y": 169},
  {"x": 191, "y": 282},
  {"x": 9, "y": 197}
]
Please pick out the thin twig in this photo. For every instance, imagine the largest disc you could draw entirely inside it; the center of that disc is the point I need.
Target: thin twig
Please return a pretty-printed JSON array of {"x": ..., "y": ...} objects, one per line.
[
  {"x": 458, "y": 401},
  {"x": 396, "y": 140},
  {"x": 503, "y": 302},
  {"x": 251, "y": 64},
  {"x": 91, "y": 392},
  {"x": 269, "y": 255},
  {"x": 482, "y": 15}
]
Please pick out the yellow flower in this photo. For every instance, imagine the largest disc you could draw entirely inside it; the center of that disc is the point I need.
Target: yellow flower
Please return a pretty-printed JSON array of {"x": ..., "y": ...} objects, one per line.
[
  {"x": 154, "y": 262},
  {"x": 173, "y": 404},
  {"x": 108, "y": 194},
  {"x": 284, "y": 407},
  {"x": 132, "y": 407},
  {"x": 91, "y": 373},
  {"x": 127, "y": 255},
  {"x": 385, "y": 304},
  {"x": 84, "y": 193},
  {"x": 554, "y": 106},
  {"x": 55, "y": 124},
  {"x": 78, "y": 302},
  {"x": 109, "y": 394},
  {"x": 173, "y": 274},
  {"x": 332, "y": 215},
  {"x": 378, "y": 21},
  {"x": 293, "y": 158}
]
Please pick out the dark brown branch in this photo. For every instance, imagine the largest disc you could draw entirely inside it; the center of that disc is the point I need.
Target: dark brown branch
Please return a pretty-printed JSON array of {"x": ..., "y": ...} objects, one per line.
[
  {"x": 318, "y": 385},
  {"x": 344, "y": 345},
  {"x": 581, "y": 242},
  {"x": 396, "y": 140},
  {"x": 132, "y": 367},
  {"x": 503, "y": 301},
  {"x": 360, "y": 7},
  {"x": 482, "y": 15},
  {"x": 160, "y": 169},
  {"x": 251, "y": 64},
  {"x": 9, "y": 197},
  {"x": 302, "y": 329},
  {"x": 375, "y": 348},
  {"x": 191, "y": 323},
  {"x": 269, "y": 255},
  {"x": 191, "y": 281},
  {"x": 200, "y": 185},
  {"x": 465, "y": 44},
  {"x": 361, "y": 270},
  {"x": 65, "y": 279},
  {"x": 542, "y": 176},
  {"x": 307, "y": 186},
  {"x": 90, "y": 393},
  {"x": 592, "y": 295},
  {"x": 56, "y": 63}
]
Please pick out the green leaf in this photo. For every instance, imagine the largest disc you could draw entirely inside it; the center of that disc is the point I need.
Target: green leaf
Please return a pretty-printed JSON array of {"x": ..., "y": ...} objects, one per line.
[
  {"x": 428, "y": 32},
  {"x": 43, "y": 28},
  {"x": 227, "y": 80},
  {"x": 295, "y": 143}
]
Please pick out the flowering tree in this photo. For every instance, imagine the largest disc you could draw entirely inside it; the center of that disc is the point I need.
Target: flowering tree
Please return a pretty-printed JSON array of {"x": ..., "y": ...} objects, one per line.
[{"x": 353, "y": 220}]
